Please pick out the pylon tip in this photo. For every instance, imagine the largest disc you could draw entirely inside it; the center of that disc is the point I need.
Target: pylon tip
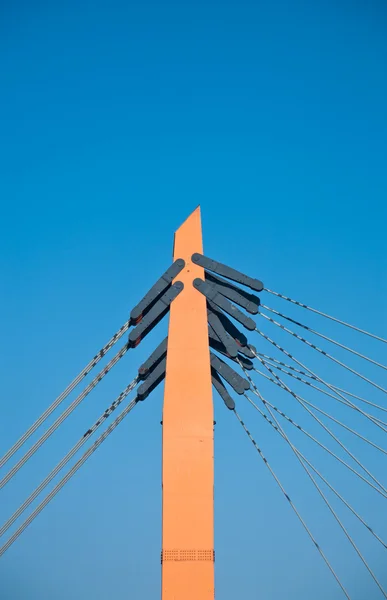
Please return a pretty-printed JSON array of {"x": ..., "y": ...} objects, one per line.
[{"x": 191, "y": 223}]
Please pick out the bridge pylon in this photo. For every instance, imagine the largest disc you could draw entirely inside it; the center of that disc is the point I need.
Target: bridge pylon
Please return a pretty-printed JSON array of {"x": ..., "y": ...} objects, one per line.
[{"x": 188, "y": 435}]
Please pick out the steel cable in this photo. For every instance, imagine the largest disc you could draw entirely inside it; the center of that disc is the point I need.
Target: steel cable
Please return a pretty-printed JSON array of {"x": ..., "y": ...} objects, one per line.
[
  {"x": 65, "y": 393},
  {"x": 323, "y": 352},
  {"x": 324, "y": 337},
  {"x": 318, "y": 473},
  {"x": 315, "y": 387},
  {"x": 318, "y": 312},
  {"x": 291, "y": 503},
  {"x": 69, "y": 455},
  {"x": 324, "y": 427},
  {"x": 368, "y": 416},
  {"x": 279, "y": 368},
  {"x": 353, "y": 431},
  {"x": 277, "y": 426},
  {"x": 63, "y": 416},
  {"x": 334, "y": 387},
  {"x": 316, "y": 441},
  {"x": 305, "y": 432},
  {"x": 67, "y": 477}
]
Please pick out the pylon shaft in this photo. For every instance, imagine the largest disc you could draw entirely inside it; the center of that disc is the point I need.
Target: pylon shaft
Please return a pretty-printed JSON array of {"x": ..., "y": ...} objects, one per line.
[{"x": 188, "y": 440}]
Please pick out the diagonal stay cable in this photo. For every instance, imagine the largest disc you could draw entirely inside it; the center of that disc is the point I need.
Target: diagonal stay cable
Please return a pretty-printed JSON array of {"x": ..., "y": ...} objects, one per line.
[
  {"x": 328, "y": 385},
  {"x": 344, "y": 501},
  {"x": 315, "y": 440},
  {"x": 265, "y": 402},
  {"x": 65, "y": 393},
  {"x": 277, "y": 426},
  {"x": 324, "y": 427},
  {"x": 291, "y": 503},
  {"x": 69, "y": 455},
  {"x": 279, "y": 368},
  {"x": 68, "y": 476},
  {"x": 332, "y": 418},
  {"x": 335, "y": 387},
  {"x": 318, "y": 312},
  {"x": 63, "y": 416},
  {"x": 336, "y": 360},
  {"x": 324, "y": 337},
  {"x": 338, "y": 399}
]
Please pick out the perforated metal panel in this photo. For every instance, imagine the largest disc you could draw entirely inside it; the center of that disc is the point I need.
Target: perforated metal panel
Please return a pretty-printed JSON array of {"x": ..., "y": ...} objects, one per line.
[{"x": 187, "y": 555}]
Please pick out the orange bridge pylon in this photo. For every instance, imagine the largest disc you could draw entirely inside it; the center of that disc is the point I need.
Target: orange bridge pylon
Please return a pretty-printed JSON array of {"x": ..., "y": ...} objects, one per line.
[{"x": 188, "y": 437}]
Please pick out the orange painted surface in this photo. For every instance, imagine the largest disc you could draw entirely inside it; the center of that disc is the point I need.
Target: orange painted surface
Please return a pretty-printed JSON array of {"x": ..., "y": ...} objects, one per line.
[{"x": 188, "y": 439}]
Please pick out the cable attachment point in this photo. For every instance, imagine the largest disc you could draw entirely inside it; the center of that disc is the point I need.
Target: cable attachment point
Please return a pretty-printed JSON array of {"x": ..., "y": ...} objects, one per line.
[
  {"x": 244, "y": 299},
  {"x": 210, "y": 292},
  {"x": 239, "y": 385},
  {"x": 156, "y": 291},
  {"x": 154, "y": 316},
  {"x": 156, "y": 376},
  {"x": 212, "y": 265},
  {"x": 218, "y": 332},
  {"x": 221, "y": 389},
  {"x": 217, "y": 345},
  {"x": 156, "y": 356}
]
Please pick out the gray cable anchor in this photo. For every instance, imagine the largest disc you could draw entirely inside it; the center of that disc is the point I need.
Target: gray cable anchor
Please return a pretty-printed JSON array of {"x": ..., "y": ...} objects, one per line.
[
  {"x": 155, "y": 314},
  {"x": 211, "y": 293},
  {"x": 218, "y": 332},
  {"x": 156, "y": 291},
  {"x": 212, "y": 265},
  {"x": 239, "y": 385},
  {"x": 244, "y": 299},
  {"x": 217, "y": 345},
  {"x": 157, "y": 355},
  {"x": 227, "y": 328},
  {"x": 221, "y": 389}
]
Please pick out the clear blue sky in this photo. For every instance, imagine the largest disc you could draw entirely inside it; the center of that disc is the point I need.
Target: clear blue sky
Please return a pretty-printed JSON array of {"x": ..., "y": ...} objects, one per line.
[{"x": 116, "y": 120}]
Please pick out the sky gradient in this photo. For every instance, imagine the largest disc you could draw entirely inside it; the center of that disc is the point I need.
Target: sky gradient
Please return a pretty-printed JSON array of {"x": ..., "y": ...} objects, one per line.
[{"x": 117, "y": 119}]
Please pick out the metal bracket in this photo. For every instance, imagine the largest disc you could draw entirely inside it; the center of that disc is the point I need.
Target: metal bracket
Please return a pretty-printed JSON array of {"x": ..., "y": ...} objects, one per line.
[
  {"x": 156, "y": 356},
  {"x": 237, "y": 382},
  {"x": 211, "y": 265},
  {"x": 156, "y": 291},
  {"x": 209, "y": 291},
  {"x": 152, "y": 380},
  {"x": 229, "y": 327},
  {"x": 222, "y": 391},
  {"x": 156, "y": 313},
  {"x": 244, "y": 299},
  {"x": 216, "y": 329},
  {"x": 218, "y": 346}
]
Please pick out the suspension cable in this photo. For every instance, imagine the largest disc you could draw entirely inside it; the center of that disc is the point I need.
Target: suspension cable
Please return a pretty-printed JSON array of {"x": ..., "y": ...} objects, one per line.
[
  {"x": 328, "y": 385},
  {"x": 304, "y": 431},
  {"x": 318, "y": 473},
  {"x": 68, "y": 476},
  {"x": 276, "y": 366},
  {"x": 315, "y": 387},
  {"x": 65, "y": 393},
  {"x": 324, "y": 337},
  {"x": 316, "y": 441},
  {"x": 278, "y": 362},
  {"x": 324, "y": 426},
  {"x": 318, "y": 312},
  {"x": 63, "y": 416},
  {"x": 291, "y": 503},
  {"x": 323, "y": 352},
  {"x": 302, "y": 460},
  {"x": 277, "y": 426},
  {"x": 69, "y": 455},
  {"x": 329, "y": 416}
]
